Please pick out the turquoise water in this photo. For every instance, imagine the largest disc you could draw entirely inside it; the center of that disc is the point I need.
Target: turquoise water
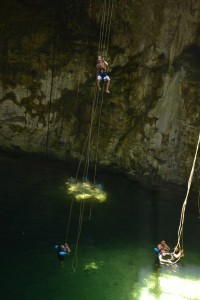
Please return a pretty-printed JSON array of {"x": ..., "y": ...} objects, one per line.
[{"x": 115, "y": 254}]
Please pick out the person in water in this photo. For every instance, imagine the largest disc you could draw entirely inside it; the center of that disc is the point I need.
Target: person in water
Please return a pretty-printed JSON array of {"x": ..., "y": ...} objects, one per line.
[
  {"x": 163, "y": 247},
  {"x": 170, "y": 257},
  {"x": 101, "y": 73},
  {"x": 62, "y": 250},
  {"x": 66, "y": 247},
  {"x": 177, "y": 253}
]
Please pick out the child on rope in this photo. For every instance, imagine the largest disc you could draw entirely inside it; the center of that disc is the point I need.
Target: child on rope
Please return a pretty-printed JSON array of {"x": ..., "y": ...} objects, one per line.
[{"x": 101, "y": 73}]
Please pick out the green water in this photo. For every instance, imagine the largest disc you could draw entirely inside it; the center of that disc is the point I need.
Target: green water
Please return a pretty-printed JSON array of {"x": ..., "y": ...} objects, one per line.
[{"x": 115, "y": 254}]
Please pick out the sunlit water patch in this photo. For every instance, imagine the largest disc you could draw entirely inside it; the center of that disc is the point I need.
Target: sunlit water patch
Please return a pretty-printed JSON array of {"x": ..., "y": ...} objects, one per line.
[
  {"x": 168, "y": 286},
  {"x": 85, "y": 190}
]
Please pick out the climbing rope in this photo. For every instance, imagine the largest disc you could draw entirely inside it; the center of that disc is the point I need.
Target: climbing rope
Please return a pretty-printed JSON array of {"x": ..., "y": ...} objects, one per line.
[
  {"x": 109, "y": 26},
  {"x": 78, "y": 89},
  {"x": 98, "y": 134},
  {"x": 97, "y": 147},
  {"x": 103, "y": 46},
  {"x": 93, "y": 113},
  {"x": 199, "y": 205},
  {"x": 102, "y": 26},
  {"x": 105, "y": 27},
  {"x": 75, "y": 258},
  {"x": 51, "y": 91},
  {"x": 180, "y": 229}
]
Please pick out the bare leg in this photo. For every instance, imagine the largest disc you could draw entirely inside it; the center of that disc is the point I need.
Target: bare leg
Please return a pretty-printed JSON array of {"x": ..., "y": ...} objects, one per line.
[
  {"x": 107, "y": 85},
  {"x": 98, "y": 84}
]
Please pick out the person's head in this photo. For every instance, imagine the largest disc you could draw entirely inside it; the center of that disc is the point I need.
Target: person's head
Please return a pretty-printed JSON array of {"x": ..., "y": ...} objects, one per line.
[
  {"x": 163, "y": 242},
  {"x": 99, "y": 58},
  {"x": 66, "y": 245},
  {"x": 62, "y": 246}
]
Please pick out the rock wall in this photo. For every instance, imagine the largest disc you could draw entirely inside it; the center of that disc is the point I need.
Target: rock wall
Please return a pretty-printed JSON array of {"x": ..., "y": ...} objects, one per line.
[{"x": 148, "y": 125}]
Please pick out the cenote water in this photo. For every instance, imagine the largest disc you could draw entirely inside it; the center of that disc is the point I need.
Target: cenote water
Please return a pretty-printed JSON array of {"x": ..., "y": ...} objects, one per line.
[{"x": 115, "y": 253}]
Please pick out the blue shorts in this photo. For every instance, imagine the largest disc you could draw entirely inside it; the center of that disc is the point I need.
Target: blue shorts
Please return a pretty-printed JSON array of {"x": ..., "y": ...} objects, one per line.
[{"x": 103, "y": 76}]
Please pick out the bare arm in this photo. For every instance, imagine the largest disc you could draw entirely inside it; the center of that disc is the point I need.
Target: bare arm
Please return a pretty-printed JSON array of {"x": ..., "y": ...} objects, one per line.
[
  {"x": 164, "y": 261},
  {"x": 167, "y": 247},
  {"x": 159, "y": 246},
  {"x": 177, "y": 255}
]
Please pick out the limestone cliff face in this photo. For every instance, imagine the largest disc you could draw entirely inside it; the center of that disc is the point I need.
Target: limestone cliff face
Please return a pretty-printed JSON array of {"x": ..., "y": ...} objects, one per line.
[{"x": 150, "y": 122}]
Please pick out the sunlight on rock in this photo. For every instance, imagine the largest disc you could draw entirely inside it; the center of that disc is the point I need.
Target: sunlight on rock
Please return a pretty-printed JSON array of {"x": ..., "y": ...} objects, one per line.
[{"x": 86, "y": 191}]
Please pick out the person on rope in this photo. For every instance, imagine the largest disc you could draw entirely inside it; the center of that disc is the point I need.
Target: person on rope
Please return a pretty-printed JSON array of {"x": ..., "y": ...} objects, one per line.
[
  {"x": 62, "y": 250},
  {"x": 101, "y": 73},
  {"x": 176, "y": 254},
  {"x": 171, "y": 258}
]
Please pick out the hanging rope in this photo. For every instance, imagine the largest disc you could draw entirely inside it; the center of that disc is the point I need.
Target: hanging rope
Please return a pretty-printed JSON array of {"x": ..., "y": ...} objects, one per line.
[
  {"x": 105, "y": 27},
  {"x": 108, "y": 26},
  {"x": 93, "y": 113},
  {"x": 90, "y": 9},
  {"x": 180, "y": 229},
  {"x": 199, "y": 205},
  {"x": 75, "y": 258},
  {"x": 97, "y": 147},
  {"x": 78, "y": 89},
  {"x": 29, "y": 59},
  {"x": 98, "y": 134},
  {"x": 103, "y": 45},
  {"x": 101, "y": 34},
  {"x": 51, "y": 90}
]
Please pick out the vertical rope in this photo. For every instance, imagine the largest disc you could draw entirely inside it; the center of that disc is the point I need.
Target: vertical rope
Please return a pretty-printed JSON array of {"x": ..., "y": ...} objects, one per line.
[
  {"x": 78, "y": 90},
  {"x": 90, "y": 9},
  {"x": 98, "y": 134},
  {"x": 75, "y": 259},
  {"x": 103, "y": 39},
  {"x": 51, "y": 91},
  {"x": 102, "y": 28},
  {"x": 69, "y": 219},
  {"x": 199, "y": 204},
  {"x": 105, "y": 27},
  {"x": 109, "y": 29},
  {"x": 97, "y": 148},
  {"x": 89, "y": 138},
  {"x": 180, "y": 229},
  {"x": 29, "y": 61}
]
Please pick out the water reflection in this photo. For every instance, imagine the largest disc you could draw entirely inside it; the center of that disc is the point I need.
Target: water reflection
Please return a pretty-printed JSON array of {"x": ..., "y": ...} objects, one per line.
[
  {"x": 168, "y": 283},
  {"x": 86, "y": 190}
]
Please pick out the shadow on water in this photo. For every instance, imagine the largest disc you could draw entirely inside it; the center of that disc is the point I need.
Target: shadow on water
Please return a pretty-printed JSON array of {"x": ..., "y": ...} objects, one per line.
[{"x": 115, "y": 255}]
